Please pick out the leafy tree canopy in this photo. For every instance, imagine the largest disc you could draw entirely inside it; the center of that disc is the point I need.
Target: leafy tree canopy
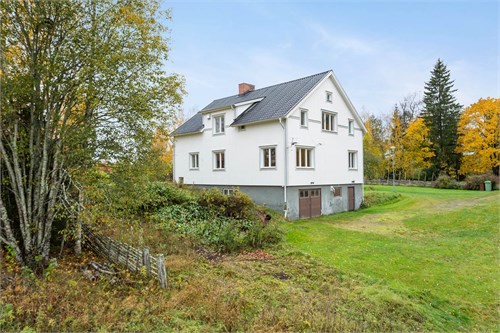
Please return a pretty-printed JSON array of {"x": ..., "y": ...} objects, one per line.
[
  {"x": 478, "y": 140},
  {"x": 81, "y": 81}
]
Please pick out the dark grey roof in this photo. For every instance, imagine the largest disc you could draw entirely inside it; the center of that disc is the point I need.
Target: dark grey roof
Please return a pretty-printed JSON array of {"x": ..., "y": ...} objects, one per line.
[
  {"x": 194, "y": 124},
  {"x": 277, "y": 101}
]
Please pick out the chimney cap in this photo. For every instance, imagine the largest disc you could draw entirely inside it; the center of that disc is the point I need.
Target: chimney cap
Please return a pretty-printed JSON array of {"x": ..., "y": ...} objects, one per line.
[{"x": 243, "y": 88}]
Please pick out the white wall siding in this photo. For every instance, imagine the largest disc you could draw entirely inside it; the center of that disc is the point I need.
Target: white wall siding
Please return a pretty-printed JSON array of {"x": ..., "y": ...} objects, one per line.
[
  {"x": 330, "y": 148},
  {"x": 242, "y": 154}
]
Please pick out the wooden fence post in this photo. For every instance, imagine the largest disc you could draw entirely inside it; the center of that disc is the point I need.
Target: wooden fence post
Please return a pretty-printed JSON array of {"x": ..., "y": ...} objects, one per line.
[
  {"x": 146, "y": 260},
  {"x": 162, "y": 271}
]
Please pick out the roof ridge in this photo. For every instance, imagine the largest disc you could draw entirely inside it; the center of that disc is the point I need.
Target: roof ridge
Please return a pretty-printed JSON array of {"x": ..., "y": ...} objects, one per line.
[{"x": 277, "y": 84}]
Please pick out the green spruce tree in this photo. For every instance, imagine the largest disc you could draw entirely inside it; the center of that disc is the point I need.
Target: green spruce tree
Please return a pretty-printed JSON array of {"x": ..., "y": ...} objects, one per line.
[{"x": 441, "y": 113}]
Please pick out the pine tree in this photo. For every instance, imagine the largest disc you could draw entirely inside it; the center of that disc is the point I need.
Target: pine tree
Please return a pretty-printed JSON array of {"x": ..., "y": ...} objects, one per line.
[{"x": 441, "y": 113}]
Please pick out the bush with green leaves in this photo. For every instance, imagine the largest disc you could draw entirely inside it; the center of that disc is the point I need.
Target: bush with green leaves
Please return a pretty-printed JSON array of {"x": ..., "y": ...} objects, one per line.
[
  {"x": 473, "y": 182},
  {"x": 238, "y": 205},
  {"x": 446, "y": 182},
  {"x": 210, "y": 226}
]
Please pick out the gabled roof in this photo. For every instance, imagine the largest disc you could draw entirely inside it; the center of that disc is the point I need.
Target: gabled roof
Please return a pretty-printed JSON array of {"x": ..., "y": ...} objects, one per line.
[
  {"x": 276, "y": 102},
  {"x": 278, "y": 99},
  {"x": 273, "y": 102}
]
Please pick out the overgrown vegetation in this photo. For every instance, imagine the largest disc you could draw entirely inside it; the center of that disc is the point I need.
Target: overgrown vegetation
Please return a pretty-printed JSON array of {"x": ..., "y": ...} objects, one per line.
[
  {"x": 224, "y": 222},
  {"x": 338, "y": 273}
]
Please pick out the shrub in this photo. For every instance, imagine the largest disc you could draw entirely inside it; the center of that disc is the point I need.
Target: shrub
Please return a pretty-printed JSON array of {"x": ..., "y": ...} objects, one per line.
[
  {"x": 473, "y": 182},
  {"x": 209, "y": 227},
  {"x": 237, "y": 205},
  {"x": 159, "y": 194},
  {"x": 446, "y": 182}
]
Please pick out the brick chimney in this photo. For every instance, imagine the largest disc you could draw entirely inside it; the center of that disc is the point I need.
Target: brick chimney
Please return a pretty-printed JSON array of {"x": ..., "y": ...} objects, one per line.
[{"x": 245, "y": 87}]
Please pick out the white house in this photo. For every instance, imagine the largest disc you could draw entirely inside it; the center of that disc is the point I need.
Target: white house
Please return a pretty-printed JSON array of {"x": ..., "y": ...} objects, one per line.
[{"x": 295, "y": 147}]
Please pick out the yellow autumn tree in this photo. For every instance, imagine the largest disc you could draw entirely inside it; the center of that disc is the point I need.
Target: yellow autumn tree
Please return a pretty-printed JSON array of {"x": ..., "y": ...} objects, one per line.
[
  {"x": 163, "y": 142},
  {"x": 416, "y": 147},
  {"x": 372, "y": 152},
  {"x": 396, "y": 141},
  {"x": 478, "y": 136}
]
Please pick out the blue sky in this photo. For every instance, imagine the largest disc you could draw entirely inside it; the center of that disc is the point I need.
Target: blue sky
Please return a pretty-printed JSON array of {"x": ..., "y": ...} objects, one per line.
[{"x": 379, "y": 50}]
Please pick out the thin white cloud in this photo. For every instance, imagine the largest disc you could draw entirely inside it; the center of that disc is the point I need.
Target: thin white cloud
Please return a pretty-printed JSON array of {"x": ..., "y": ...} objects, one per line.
[{"x": 340, "y": 42}]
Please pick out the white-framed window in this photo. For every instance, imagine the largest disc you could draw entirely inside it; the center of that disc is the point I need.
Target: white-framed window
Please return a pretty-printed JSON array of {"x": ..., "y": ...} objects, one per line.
[
  {"x": 304, "y": 157},
  {"x": 228, "y": 191},
  {"x": 219, "y": 160},
  {"x": 268, "y": 157},
  {"x": 219, "y": 124},
  {"x": 351, "y": 127},
  {"x": 194, "y": 161},
  {"x": 352, "y": 157},
  {"x": 329, "y": 121},
  {"x": 303, "y": 118},
  {"x": 329, "y": 97}
]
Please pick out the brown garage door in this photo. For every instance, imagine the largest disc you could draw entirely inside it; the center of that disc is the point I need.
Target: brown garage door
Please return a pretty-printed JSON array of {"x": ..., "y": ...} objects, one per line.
[{"x": 309, "y": 203}]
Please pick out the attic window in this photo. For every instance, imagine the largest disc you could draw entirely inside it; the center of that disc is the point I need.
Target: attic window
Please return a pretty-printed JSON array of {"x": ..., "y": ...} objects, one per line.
[
  {"x": 328, "y": 96},
  {"x": 241, "y": 128}
]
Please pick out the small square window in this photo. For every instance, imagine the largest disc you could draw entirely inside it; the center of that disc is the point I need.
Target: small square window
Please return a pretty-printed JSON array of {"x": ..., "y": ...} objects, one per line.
[
  {"x": 337, "y": 192},
  {"x": 219, "y": 124},
  {"x": 328, "y": 96},
  {"x": 228, "y": 191},
  {"x": 351, "y": 127},
  {"x": 194, "y": 161},
  {"x": 303, "y": 118}
]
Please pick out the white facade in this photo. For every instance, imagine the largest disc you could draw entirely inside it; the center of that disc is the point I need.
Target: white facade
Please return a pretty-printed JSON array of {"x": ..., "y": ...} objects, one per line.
[{"x": 321, "y": 149}]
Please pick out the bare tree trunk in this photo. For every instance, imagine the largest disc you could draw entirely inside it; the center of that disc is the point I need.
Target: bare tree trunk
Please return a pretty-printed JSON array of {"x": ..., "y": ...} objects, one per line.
[{"x": 78, "y": 236}]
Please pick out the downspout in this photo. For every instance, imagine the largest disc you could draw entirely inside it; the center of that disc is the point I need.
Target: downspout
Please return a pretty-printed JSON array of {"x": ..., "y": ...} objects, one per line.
[{"x": 285, "y": 149}]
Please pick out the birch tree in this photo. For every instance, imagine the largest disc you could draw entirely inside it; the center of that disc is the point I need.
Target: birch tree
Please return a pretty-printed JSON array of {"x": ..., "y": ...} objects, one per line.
[{"x": 80, "y": 80}]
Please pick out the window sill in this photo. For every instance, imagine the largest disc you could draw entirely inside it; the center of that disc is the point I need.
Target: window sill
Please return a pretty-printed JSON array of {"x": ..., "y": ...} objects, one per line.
[
  {"x": 304, "y": 168},
  {"x": 221, "y": 133},
  {"x": 194, "y": 169},
  {"x": 353, "y": 169},
  {"x": 218, "y": 169},
  {"x": 331, "y": 132},
  {"x": 268, "y": 168}
]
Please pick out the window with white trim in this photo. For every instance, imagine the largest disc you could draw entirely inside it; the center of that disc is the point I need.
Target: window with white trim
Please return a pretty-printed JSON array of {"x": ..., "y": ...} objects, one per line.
[
  {"x": 268, "y": 157},
  {"x": 351, "y": 127},
  {"x": 304, "y": 157},
  {"x": 303, "y": 118},
  {"x": 194, "y": 161},
  {"x": 329, "y": 121},
  {"x": 219, "y": 160},
  {"x": 329, "y": 96},
  {"x": 228, "y": 191},
  {"x": 352, "y": 160},
  {"x": 219, "y": 124}
]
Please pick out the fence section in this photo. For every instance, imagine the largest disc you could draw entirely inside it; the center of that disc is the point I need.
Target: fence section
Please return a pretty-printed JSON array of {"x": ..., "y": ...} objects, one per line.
[
  {"x": 124, "y": 254},
  {"x": 420, "y": 183}
]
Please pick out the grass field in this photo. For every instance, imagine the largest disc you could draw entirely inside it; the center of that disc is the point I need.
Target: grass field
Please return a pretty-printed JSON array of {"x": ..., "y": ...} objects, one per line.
[{"x": 438, "y": 248}]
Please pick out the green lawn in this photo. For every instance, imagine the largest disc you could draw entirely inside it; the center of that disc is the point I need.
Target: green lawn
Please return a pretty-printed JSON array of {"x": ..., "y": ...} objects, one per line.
[{"x": 436, "y": 247}]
